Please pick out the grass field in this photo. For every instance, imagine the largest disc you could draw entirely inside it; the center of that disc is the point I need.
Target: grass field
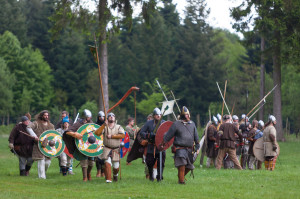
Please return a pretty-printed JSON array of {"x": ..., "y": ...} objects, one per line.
[{"x": 284, "y": 182}]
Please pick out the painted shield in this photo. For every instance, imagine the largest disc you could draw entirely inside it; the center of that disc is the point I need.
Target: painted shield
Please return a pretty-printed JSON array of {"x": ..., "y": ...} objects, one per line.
[
  {"x": 54, "y": 145},
  {"x": 258, "y": 149},
  {"x": 90, "y": 144},
  {"x": 161, "y": 131},
  {"x": 126, "y": 148}
]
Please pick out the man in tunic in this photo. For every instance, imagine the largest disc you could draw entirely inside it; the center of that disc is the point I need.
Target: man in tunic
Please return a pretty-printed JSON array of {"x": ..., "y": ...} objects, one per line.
[
  {"x": 131, "y": 130},
  {"x": 227, "y": 145},
  {"x": 253, "y": 131},
  {"x": 112, "y": 133},
  {"x": 22, "y": 145},
  {"x": 186, "y": 143},
  {"x": 245, "y": 128},
  {"x": 69, "y": 137},
  {"x": 99, "y": 162},
  {"x": 152, "y": 155},
  {"x": 270, "y": 144},
  {"x": 211, "y": 151},
  {"x": 35, "y": 129},
  {"x": 64, "y": 160}
]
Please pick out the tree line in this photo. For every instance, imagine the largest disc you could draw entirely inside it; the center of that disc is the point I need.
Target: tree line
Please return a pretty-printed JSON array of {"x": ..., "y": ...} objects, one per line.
[{"x": 187, "y": 56}]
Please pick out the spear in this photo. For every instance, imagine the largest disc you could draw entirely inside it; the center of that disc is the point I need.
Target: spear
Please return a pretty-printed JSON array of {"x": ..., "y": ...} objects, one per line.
[
  {"x": 263, "y": 99},
  {"x": 175, "y": 101},
  {"x": 223, "y": 98}
]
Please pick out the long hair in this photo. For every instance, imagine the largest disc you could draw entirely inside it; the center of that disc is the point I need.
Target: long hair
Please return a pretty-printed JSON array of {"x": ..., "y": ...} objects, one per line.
[{"x": 39, "y": 116}]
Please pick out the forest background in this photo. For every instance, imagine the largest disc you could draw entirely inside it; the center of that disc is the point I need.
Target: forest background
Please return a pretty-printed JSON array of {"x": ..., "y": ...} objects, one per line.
[{"x": 186, "y": 55}]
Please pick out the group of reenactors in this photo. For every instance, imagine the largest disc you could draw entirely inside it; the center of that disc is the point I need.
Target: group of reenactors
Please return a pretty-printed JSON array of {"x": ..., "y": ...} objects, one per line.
[
  {"x": 230, "y": 142},
  {"x": 226, "y": 140}
]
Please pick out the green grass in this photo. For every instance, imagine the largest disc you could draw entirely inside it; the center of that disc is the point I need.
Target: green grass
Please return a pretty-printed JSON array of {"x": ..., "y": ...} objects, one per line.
[{"x": 284, "y": 182}]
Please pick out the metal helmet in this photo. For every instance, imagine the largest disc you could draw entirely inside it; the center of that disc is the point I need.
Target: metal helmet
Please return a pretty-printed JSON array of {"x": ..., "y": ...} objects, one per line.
[
  {"x": 243, "y": 116},
  {"x": 219, "y": 117},
  {"x": 101, "y": 114},
  {"x": 110, "y": 115},
  {"x": 226, "y": 117},
  {"x": 261, "y": 124},
  {"x": 235, "y": 117},
  {"x": 156, "y": 111},
  {"x": 272, "y": 118},
  {"x": 86, "y": 113},
  {"x": 215, "y": 120},
  {"x": 185, "y": 111}
]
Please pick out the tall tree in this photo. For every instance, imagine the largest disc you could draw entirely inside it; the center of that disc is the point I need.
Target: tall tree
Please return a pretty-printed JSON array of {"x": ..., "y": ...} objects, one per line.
[{"x": 72, "y": 13}]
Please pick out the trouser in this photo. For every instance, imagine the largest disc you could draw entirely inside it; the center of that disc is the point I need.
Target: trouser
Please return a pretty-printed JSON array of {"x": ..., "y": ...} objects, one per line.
[
  {"x": 228, "y": 164},
  {"x": 43, "y": 166},
  {"x": 252, "y": 161},
  {"x": 146, "y": 170},
  {"x": 203, "y": 152},
  {"x": 87, "y": 162},
  {"x": 86, "y": 166},
  {"x": 23, "y": 162},
  {"x": 150, "y": 161},
  {"x": 65, "y": 160},
  {"x": 232, "y": 156},
  {"x": 116, "y": 166},
  {"x": 100, "y": 164},
  {"x": 245, "y": 157},
  {"x": 211, "y": 160}
]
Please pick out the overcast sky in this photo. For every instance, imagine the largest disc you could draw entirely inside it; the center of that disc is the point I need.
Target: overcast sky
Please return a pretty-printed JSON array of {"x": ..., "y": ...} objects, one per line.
[{"x": 219, "y": 12}]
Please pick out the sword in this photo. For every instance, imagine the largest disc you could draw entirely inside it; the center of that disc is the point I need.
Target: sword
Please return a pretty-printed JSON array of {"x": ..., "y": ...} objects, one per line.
[
  {"x": 76, "y": 118},
  {"x": 165, "y": 97},
  {"x": 223, "y": 98}
]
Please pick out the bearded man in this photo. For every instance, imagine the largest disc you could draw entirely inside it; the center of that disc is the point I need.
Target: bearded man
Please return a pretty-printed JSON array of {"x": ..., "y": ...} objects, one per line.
[
  {"x": 35, "y": 129},
  {"x": 186, "y": 137},
  {"x": 22, "y": 145}
]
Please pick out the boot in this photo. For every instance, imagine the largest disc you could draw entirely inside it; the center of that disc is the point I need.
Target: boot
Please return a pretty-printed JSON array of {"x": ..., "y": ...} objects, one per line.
[
  {"x": 27, "y": 169},
  {"x": 151, "y": 174},
  {"x": 147, "y": 176},
  {"x": 84, "y": 174},
  {"x": 108, "y": 172},
  {"x": 22, "y": 172},
  {"x": 181, "y": 174},
  {"x": 64, "y": 170},
  {"x": 89, "y": 169},
  {"x": 98, "y": 174},
  {"x": 116, "y": 171}
]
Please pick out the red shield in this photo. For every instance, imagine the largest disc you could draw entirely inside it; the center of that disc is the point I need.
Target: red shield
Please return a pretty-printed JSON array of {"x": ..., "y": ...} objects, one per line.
[
  {"x": 126, "y": 148},
  {"x": 68, "y": 153},
  {"x": 161, "y": 131}
]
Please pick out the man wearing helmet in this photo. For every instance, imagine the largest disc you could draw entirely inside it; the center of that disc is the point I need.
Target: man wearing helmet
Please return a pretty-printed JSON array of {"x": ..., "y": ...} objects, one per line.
[
  {"x": 270, "y": 144},
  {"x": 99, "y": 162},
  {"x": 112, "y": 133},
  {"x": 152, "y": 152},
  {"x": 211, "y": 151},
  {"x": 185, "y": 136},
  {"x": 69, "y": 136},
  {"x": 227, "y": 137}
]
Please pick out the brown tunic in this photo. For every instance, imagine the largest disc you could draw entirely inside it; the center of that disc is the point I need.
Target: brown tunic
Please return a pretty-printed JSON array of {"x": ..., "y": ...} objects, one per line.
[
  {"x": 211, "y": 152},
  {"x": 268, "y": 141},
  {"x": 251, "y": 134},
  {"x": 23, "y": 144},
  {"x": 131, "y": 132},
  {"x": 228, "y": 131},
  {"x": 111, "y": 146},
  {"x": 38, "y": 127}
]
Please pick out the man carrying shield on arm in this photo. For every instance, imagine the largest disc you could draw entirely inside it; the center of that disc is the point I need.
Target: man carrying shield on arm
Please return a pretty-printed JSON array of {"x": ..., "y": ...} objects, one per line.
[
  {"x": 70, "y": 134},
  {"x": 185, "y": 133}
]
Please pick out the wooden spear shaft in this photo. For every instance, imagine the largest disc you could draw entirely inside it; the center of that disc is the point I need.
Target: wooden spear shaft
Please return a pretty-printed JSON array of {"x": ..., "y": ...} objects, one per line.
[
  {"x": 135, "y": 108},
  {"x": 224, "y": 97},
  {"x": 100, "y": 78}
]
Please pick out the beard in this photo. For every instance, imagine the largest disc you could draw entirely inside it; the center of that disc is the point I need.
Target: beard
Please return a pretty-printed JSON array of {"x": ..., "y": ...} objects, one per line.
[
  {"x": 111, "y": 121},
  {"x": 45, "y": 119}
]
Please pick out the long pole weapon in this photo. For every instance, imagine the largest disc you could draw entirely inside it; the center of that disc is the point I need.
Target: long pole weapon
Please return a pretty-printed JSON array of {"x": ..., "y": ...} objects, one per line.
[
  {"x": 175, "y": 101},
  {"x": 232, "y": 108},
  {"x": 165, "y": 97},
  {"x": 223, "y": 98},
  {"x": 100, "y": 78},
  {"x": 263, "y": 99},
  {"x": 257, "y": 109}
]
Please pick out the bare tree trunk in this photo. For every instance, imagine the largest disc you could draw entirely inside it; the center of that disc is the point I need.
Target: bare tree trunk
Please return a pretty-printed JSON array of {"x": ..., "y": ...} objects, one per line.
[
  {"x": 277, "y": 81},
  {"x": 262, "y": 76},
  {"x": 103, "y": 20}
]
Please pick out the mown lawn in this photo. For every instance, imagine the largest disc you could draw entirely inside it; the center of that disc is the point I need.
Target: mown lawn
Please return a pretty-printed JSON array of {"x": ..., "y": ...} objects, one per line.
[{"x": 284, "y": 182}]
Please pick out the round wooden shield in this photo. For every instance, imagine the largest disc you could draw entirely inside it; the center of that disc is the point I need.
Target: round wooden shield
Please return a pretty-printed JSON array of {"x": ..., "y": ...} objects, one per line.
[
  {"x": 55, "y": 145},
  {"x": 161, "y": 131},
  {"x": 126, "y": 148},
  {"x": 90, "y": 144},
  {"x": 258, "y": 149}
]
